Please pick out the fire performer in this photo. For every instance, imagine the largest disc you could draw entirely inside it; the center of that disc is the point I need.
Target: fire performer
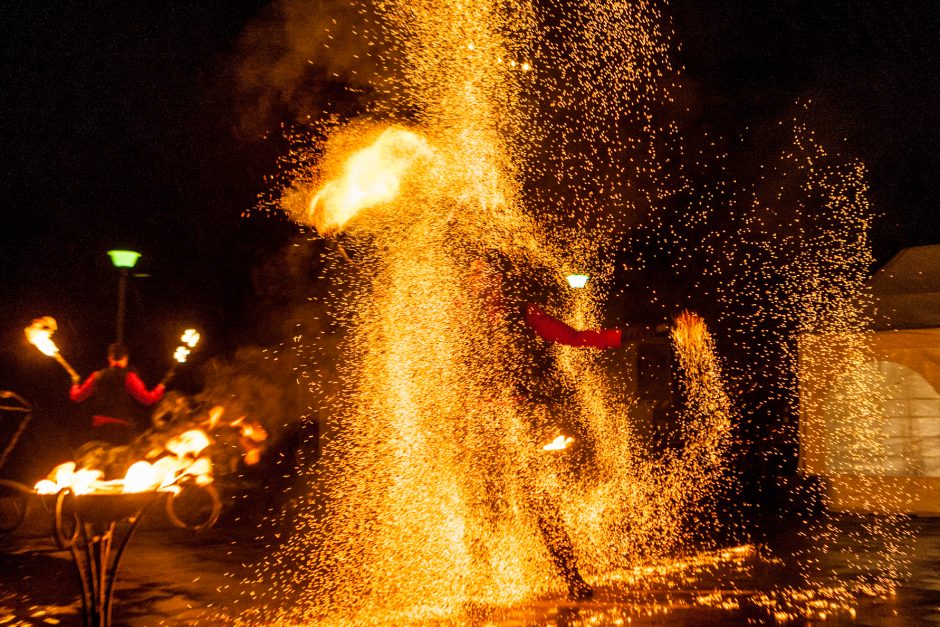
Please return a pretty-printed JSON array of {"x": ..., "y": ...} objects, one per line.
[
  {"x": 487, "y": 306},
  {"x": 119, "y": 397},
  {"x": 553, "y": 330}
]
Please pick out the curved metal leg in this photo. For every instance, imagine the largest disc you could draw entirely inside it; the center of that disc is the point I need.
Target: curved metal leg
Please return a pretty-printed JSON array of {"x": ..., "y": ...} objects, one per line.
[
  {"x": 67, "y": 540},
  {"x": 16, "y": 496},
  {"x": 210, "y": 520},
  {"x": 112, "y": 577},
  {"x": 90, "y": 545}
]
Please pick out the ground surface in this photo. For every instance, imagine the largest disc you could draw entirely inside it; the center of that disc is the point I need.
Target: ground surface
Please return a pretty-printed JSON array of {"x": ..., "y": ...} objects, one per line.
[{"x": 173, "y": 577}]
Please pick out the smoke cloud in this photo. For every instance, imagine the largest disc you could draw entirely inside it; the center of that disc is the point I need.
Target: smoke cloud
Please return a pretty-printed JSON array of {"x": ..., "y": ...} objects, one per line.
[{"x": 298, "y": 59}]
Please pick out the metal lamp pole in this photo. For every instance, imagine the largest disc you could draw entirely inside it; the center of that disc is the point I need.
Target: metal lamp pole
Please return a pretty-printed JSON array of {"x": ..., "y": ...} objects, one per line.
[{"x": 123, "y": 260}]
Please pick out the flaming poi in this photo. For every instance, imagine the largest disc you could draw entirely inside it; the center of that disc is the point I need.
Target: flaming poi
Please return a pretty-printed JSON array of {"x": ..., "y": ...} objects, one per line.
[
  {"x": 188, "y": 340},
  {"x": 39, "y": 334}
]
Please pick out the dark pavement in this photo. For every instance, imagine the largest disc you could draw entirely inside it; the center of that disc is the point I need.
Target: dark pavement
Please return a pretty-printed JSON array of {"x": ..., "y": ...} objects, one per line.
[{"x": 175, "y": 577}]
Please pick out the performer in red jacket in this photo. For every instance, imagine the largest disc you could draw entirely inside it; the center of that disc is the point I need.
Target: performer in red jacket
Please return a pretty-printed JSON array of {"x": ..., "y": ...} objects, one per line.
[
  {"x": 553, "y": 330},
  {"x": 119, "y": 398}
]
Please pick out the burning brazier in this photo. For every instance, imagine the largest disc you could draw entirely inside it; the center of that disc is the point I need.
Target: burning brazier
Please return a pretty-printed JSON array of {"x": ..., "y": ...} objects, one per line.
[{"x": 94, "y": 519}]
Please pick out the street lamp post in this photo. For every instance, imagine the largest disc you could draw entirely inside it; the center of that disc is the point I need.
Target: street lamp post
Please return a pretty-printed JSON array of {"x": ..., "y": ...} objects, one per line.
[{"x": 123, "y": 260}]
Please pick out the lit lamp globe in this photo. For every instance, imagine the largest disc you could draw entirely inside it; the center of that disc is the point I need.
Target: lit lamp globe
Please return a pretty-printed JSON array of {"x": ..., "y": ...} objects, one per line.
[
  {"x": 125, "y": 259},
  {"x": 577, "y": 281}
]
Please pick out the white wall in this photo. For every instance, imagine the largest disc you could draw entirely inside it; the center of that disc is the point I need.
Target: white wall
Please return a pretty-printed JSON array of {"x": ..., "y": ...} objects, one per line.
[{"x": 873, "y": 430}]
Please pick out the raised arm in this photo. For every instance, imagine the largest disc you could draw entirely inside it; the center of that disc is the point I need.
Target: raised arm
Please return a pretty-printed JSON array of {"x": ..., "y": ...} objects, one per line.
[
  {"x": 553, "y": 330},
  {"x": 78, "y": 393},
  {"x": 136, "y": 388}
]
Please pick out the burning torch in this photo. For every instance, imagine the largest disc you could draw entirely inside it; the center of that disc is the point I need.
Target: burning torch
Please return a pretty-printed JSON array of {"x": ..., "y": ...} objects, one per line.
[
  {"x": 188, "y": 341},
  {"x": 39, "y": 334}
]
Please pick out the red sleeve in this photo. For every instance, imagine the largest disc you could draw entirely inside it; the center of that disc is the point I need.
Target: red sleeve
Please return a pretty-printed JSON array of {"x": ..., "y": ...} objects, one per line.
[
  {"x": 553, "y": 330},
  {"x": 136, "y": 388},
  {"x": 78, "y": 393}
]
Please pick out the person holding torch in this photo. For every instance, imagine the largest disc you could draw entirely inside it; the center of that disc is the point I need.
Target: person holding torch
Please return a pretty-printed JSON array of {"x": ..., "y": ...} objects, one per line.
[{"x": 119, "y": 397}]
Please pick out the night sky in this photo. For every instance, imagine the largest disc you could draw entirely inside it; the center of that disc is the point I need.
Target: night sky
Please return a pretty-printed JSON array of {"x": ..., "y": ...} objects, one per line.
[{"x": 131, "y": 125}]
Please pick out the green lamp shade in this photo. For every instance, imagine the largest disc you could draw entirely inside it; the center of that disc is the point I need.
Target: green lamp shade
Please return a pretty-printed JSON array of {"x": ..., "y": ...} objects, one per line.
[
  {"x": 123, "y": 258},
  {"x": 577, "y": 280}
]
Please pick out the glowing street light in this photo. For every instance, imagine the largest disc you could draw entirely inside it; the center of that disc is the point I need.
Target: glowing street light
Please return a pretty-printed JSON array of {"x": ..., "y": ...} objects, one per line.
[
  {"x": 577, "y": 281},
  {"x": 123, "y": 260}
]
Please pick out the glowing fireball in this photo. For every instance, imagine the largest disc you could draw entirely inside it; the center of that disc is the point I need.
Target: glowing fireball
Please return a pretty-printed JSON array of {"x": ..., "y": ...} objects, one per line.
[{"x": 370, "y": 176}]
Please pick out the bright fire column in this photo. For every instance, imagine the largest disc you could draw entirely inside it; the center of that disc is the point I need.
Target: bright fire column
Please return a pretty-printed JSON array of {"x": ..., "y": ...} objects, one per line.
[{"x": 123, "y": 260}]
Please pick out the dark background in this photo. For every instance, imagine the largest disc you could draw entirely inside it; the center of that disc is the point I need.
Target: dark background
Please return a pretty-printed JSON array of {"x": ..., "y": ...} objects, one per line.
[{"x": 131, "y": 125}]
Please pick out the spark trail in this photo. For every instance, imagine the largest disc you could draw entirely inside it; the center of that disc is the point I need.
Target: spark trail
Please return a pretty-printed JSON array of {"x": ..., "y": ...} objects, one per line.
[{"x": 435, "y": 484}]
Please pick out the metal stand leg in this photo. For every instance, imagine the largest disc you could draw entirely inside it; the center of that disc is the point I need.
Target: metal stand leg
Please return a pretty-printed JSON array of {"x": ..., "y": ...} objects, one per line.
[{"x": 90, "y": 544}]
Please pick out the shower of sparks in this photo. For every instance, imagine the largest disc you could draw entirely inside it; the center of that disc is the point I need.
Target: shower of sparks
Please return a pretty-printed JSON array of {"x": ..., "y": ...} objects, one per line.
[
  {"x": 809, "y": 329},
  {"x": 432, "y": 483},
  {"x": 433, "y": 479}
]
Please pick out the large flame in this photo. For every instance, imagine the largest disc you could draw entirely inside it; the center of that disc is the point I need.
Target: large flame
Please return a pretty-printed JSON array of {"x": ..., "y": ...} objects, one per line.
[
  {"x": 169, "y": 458},
  {"x": 191, "y": 442},
  {"x": 182, "y": 458},
  {"x": 140, "y": 477},
  {"x": 39, "y": 334},
  {"x": 65, "y": 476},
  {"x": 370, "y": 176}
]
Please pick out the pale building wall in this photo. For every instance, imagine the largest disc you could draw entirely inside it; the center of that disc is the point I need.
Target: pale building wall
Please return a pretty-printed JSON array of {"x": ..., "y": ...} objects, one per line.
[{"x": 899, "y": 469}]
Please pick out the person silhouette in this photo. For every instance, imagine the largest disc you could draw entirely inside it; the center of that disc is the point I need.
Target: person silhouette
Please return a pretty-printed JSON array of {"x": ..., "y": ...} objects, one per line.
[{"x": 119, "y": 398}]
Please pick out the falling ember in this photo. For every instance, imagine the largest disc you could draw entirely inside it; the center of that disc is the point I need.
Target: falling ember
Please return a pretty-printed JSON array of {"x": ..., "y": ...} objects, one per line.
[
  {"x": 558, "y": 444},
  {"x": 370, "y": 176}
]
